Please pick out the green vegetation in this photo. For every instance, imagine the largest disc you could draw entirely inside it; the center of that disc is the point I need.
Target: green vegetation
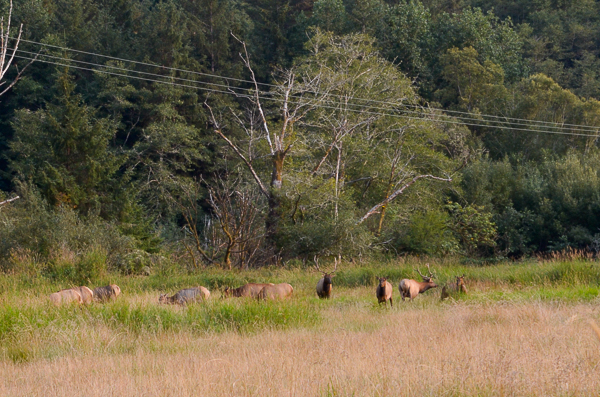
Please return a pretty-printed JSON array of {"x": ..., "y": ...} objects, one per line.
[
  {"x": 27, "y": 315},
  {"x": 370, "y": 134}
]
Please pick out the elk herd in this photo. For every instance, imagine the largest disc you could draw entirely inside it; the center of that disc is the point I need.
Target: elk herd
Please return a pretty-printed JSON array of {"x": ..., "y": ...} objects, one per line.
[{"x": 408, "y": 288}]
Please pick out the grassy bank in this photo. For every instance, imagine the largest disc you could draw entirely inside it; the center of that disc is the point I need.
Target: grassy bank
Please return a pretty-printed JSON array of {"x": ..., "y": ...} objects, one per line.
[
  {"x": 525, "y": 300},
  {"x": 540, "y": 274}
]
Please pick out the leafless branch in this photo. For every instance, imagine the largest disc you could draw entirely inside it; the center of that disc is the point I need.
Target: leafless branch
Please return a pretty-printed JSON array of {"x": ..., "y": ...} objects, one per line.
[
  {"x": 218, "y": 131},
  {"x": 399, "y": 192},
  {"x": 4, "y": 47},
  {"x": 9, "y": 200},
  {"x": 246, "y": 59}
]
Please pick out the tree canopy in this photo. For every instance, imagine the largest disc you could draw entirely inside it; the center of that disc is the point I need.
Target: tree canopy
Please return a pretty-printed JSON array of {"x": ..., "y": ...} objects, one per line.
[{"x": 252, "y": 132}]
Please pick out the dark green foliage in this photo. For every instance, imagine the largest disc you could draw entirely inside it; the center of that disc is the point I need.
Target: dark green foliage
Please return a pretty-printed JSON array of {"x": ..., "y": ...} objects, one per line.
[
  {"x": 120, "y": 167},
  {"x": 75, "y": 166},
  {"x": 473, "y": 227},
  {"x": 425, "y": 233},
  {"x": 550, "y": 205}
]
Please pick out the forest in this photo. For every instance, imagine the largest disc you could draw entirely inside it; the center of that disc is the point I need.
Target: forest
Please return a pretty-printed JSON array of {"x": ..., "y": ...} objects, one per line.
[{"x": 243, "y": 134}]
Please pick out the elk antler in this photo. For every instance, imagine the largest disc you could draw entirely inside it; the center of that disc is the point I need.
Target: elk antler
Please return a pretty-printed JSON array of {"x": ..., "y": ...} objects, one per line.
[
  {"x": 432, "y": 274},
  {"x": 336, "y": 263},
  {"x": 426, "y": 278},
  {"x": 316, "y": 259}
]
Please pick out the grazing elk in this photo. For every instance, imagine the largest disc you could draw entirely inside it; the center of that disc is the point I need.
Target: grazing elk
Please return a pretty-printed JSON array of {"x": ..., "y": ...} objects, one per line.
[
  {"x": 384, "y": 292},
  {"x": 458, "y": 287},
  {"x": 102, "y": 294},
  {"x": 185, "y": 296},
  {"x": 411, "y": 288},
  {"x": 277, "y": 291},
  {"x": 249, "y": 290},
  {"x": 65, "y": 296},
  {"x": 324, "y": 286},
  {"x": 87, "y": 295}
]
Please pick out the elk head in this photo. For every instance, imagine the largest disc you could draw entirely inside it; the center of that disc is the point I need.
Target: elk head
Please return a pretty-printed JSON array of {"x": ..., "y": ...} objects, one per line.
[
  {"x": 429, "y": 278},
  {"x": 226, "y": 292},
  {"x": 330, "y": 275}
]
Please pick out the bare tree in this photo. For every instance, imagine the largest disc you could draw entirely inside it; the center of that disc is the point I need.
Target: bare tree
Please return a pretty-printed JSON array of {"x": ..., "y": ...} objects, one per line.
[
  {"x": 297, "y": 97},
  {"x": 237, "y": 213},
  {"x": 186, "y": 199},
  {"x": 7, "y": 53}
]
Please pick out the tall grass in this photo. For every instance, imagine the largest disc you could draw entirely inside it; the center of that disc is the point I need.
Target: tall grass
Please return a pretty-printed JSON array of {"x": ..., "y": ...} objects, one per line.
[{"x": 531, "y": 348}]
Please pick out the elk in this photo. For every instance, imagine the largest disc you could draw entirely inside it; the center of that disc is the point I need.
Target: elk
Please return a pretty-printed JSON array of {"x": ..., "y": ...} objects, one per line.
[
  {"x": 185, "y": 296},
  {"x": 65, "y": 296},
  {"x": 458, "y": 287},
  {"x": 249, "y": 290},
  {"x": 411, "y": 288},
  {"x": 384, "y": 292},
  {"x": 102, "y": 294},
  {"x": 277, "y": 291},
  {"x": 324, "y": 285},
  {"x": 87, "y": 295}
]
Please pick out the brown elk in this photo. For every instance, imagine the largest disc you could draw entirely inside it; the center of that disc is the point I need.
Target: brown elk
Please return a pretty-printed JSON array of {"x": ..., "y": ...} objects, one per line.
[
  {"x": 65, "y": 296},
  {"x": 249, "y": 290},
  {"x": 324, "y": 286},
  {"x": 185, "y": 296},
  {"x": 102, "y": 294},
  {"x": 384, "y": 292},
  {"x": 277, "y": 291},
  {"x": 458, "y": 287},
  {"x": 411, "y": 288},
  {"x": 87, "y": 295}
]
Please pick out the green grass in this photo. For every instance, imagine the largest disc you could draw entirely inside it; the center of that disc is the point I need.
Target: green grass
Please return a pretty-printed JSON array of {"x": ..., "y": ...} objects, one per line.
[
  {"x": 528, "y": 273},
  {"x": 244, "y": 316},
  {"x": 26, "y": 314}
]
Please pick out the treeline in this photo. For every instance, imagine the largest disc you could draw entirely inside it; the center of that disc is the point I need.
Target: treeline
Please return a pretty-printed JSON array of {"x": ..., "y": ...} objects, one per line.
[{"x": 247, "y": 133}]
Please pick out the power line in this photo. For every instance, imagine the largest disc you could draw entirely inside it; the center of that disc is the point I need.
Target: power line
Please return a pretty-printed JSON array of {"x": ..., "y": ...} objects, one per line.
[
  {"x": 322, "y": 106},
  {"x": 502, "y": 119},
  {"x": 591, "y": 129},
  {"x": 132, "y": 71},
  {"x": 269, "y": 93}
]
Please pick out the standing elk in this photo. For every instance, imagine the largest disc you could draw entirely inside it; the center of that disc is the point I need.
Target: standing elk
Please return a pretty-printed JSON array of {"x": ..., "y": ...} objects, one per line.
[
  {"x": 411, "y": 288},
  {"x": 249, "y": 290},
  {"x": 458, "y": 287},
  {"x": 277, "y": 291},
  {"x": 185, "y": 296},
  {"x": 324, "y": 286},
  {"x": 384, "y": 292}
]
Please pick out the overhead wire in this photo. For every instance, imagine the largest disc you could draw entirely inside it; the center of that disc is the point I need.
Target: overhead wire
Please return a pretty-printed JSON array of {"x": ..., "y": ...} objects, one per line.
[
  {"x": 592, "y": 129},
  {"x": 478, "y": 116},
  {"x": 250, "y": 96}
]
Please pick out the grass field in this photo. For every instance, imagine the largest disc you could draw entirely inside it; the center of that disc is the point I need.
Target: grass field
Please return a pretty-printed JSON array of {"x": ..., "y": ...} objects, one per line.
[{"x": 523, "y": 329}]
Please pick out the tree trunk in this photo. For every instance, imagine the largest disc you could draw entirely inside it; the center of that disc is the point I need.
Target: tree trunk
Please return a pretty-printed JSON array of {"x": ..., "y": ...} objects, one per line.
[
  {"x": 277, "y": 176},
  {"x": 273, "y": 218}
]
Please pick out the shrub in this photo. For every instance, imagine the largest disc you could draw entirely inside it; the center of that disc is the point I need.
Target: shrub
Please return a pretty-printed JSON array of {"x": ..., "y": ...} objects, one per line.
[{"x": 34, "y": 231}]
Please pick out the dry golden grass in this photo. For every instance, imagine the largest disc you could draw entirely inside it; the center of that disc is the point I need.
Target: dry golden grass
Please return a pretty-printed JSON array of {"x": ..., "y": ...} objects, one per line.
[{"x": 419, "y": 348}]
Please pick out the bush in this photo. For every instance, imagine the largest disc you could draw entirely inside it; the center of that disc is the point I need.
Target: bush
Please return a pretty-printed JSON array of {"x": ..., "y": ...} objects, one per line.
[
  {"x": 58, "y": 240},
  {"x": 425, "y": 233}
]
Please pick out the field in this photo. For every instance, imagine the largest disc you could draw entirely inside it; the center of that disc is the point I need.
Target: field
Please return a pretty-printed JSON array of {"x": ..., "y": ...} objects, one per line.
[{"x": 523, "y": 329}]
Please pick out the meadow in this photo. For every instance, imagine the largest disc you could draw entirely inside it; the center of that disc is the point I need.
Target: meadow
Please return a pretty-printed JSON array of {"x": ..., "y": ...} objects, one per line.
[{"x": 523, "y": 329}]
